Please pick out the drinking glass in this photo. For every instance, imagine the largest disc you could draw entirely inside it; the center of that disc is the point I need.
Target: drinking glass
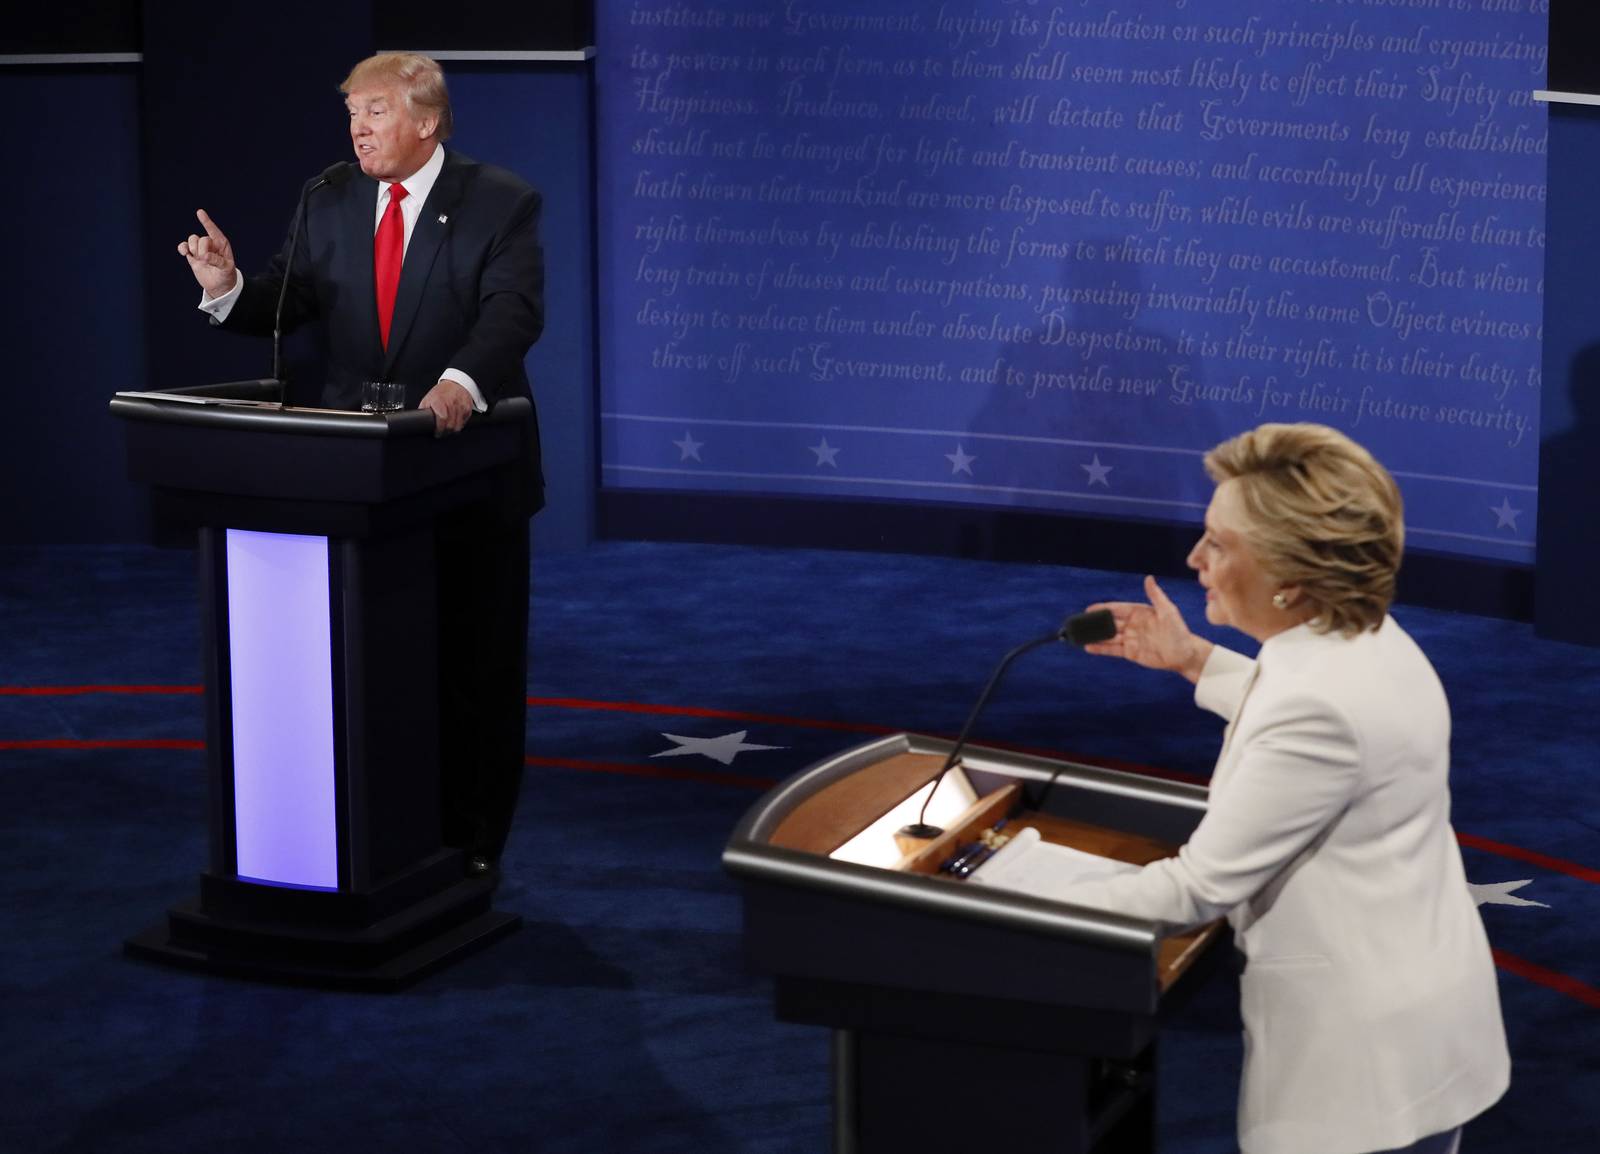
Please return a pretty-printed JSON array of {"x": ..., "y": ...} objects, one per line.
[{"x": 382, "y": 396}]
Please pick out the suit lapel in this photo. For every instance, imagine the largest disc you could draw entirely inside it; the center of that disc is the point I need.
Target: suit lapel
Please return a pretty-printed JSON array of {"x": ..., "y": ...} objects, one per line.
[
  {"x": 426, "y": 239},
  {"x": 357, "y": 213},
  {"x": 1287, "y": 651},
  {"x": 1219, "y": 772}
]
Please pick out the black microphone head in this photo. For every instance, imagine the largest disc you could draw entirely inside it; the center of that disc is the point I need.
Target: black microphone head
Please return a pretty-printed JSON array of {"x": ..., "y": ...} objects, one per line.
[
  {"x": 1089, "y": 628},
  {"x": 335, "y": 174}
]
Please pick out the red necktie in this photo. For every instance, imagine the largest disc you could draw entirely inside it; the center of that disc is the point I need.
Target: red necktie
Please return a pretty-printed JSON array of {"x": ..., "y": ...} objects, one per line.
[{"x": 388, "y": 249}]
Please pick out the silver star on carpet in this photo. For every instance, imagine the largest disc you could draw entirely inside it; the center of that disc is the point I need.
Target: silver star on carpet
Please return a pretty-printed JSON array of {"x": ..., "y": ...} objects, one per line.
[
  {"x": 960, "y": 461},
  {"x": 1505, "y": 515},
  {"x": 1500, "y": 894},
  {"x": 826, "y": 453},
  {"x": 723, "y": 749},
  {"x": 1097, "y": 472},
  {"x": 688, "y": 448}
]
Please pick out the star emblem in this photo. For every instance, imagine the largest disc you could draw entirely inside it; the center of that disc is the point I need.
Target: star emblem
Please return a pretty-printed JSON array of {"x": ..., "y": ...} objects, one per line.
[
  {"x": 1505, "y": 515},
  {"x": 960, "y": 461},
  {"x": 688, "y": 448},
  {"x": 1097, "y": 472},
  {"x": 723, "y": 749},
  {"x": 826, "y": 454},
  {"x": 1500, "y": 894}
]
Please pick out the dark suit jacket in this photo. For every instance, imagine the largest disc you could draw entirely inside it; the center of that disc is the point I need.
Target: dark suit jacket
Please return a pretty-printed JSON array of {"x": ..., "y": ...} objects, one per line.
[{"x": 471, "y": 291}]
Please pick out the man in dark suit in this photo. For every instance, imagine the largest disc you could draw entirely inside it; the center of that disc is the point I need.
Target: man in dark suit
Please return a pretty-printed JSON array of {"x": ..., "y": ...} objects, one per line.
[{"x": 425, "y": 268}]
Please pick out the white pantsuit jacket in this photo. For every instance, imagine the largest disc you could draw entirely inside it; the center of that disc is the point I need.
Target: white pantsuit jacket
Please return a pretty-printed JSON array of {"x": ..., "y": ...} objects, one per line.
[{"x": 1370, "y": 1005}]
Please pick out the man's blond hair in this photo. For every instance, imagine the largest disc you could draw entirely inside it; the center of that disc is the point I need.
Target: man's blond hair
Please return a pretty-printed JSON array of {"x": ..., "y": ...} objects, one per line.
[{"x": 419, "y": 78}]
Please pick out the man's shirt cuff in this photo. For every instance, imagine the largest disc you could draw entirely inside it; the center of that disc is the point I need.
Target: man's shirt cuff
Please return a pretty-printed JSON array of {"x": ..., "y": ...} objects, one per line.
[
  {"x": 218, "y": 308},
  {"x": 479, "y": 405}
]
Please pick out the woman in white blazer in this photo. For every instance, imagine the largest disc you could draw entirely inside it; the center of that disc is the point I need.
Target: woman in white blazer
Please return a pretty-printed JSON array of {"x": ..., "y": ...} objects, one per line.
[{"x": 1371, "y": 1012}]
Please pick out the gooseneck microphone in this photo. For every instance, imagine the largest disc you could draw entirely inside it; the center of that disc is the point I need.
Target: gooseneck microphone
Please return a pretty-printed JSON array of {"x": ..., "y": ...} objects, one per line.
[
  {"x": 1079, "y": 630},
  {"x": 332, "y": 175}
]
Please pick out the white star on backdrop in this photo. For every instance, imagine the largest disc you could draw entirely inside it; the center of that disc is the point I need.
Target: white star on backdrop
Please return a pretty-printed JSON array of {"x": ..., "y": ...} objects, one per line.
[
  {"x": 1097, "y": 472},
  {"x": 825, "y": 453},
  {"x": 1499, "y": 894},
  {"x": 723, "y": 749},
  {"x": 1505, "y": 515},
  {"x": 689, "y": 448},
  {"x": 960, "y": 462}
]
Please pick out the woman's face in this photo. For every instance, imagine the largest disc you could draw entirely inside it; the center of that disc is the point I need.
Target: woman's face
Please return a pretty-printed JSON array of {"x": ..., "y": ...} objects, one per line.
[{"x": 1238, "y": 590}]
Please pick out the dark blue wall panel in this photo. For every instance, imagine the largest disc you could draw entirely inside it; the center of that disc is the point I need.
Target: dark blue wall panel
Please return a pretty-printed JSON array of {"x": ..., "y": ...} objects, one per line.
[
  {"x": 535, "y": 121},
  {"x": 1569, "y": 452},
  {"x": 222, "y": 138},
  {"x": 73, "y": 332}
]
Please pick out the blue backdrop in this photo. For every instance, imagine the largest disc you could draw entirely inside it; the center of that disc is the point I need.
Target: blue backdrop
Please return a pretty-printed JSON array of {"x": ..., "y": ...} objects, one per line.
[{"x": 1045, "y": 254}]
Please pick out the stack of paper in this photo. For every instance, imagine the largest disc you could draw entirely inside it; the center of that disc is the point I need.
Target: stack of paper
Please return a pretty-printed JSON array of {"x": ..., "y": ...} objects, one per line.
[{"x": 1031, "y": 865}]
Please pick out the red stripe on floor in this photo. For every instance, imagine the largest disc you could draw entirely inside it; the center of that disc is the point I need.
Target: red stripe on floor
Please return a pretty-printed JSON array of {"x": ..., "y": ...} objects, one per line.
[
  {"x": 1532, "y": 857},
  {"x": 131, "y": 743},
  {"x": 78, "y": 690},
  {"x": 1560, "y": 983},
  {"x": 671, "y": 772},
  {"x": 696, "y": 711},
  {"x": 841, "y": 726},
  {"x": 1472, "y": 841},
  {"x": 1550, "y": 979}
]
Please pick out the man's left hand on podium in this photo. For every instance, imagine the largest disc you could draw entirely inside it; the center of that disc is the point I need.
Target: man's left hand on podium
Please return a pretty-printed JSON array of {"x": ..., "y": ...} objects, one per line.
[{"x": 450, "y": 405}]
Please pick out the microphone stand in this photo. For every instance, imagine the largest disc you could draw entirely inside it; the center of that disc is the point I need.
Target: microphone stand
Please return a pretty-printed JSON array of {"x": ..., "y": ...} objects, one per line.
[
  {"x": 920, "y": 828},
  {"x": 330, "y": 174},
  {"x": 283, "y": 290},
  {"x": 1080, "y": 629}
]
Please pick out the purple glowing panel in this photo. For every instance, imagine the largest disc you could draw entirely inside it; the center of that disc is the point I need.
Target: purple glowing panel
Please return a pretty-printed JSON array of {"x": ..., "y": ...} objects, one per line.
[{"x": 281, "y": 666}]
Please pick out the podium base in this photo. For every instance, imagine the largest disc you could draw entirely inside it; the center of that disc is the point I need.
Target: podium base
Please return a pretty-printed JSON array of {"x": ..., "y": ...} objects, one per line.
[{"x": 316, "y": 949}]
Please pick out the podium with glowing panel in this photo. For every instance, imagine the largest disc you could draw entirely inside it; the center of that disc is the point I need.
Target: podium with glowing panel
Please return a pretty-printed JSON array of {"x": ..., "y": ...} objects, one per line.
[
  {"x": 318, "y": 602},
  {"x": 966, "y": 1016}
]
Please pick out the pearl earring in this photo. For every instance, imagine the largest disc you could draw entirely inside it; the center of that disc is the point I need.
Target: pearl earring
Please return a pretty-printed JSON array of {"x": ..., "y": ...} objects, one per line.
[{"x": 1279, "y": 601}]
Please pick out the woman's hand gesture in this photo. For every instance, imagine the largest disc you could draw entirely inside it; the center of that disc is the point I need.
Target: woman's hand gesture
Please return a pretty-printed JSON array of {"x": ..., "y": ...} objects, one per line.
[{"x": 1153, "y": 635}]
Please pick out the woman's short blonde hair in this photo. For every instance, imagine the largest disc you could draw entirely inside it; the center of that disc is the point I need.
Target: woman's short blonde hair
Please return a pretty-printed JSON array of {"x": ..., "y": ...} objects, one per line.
[
  {"x": 1321, "y": 513},
  {"x": 419, "y": 78}
]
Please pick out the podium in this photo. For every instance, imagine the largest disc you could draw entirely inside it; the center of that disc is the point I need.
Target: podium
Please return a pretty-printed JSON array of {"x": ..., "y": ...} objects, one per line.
[
  {"x": 318, "y": 604},
  {"x": 966, "y": 1016}
]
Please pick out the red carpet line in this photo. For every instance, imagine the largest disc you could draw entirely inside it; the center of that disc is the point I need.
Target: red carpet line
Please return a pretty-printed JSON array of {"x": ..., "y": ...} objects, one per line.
[
  {"x": 696, "y": 711},
  {"x": 132, "y": 743},
  {"x": 671, "y": 772},
  {"x": 842, "y": 726},
  {"x": 1544, "y": 861},
  {"x": 79, "y": 690},
  {"x": 1550, "y": 979},
  {"x": 1472, "y": 841},
  {"x": 1554, "y": 980}
]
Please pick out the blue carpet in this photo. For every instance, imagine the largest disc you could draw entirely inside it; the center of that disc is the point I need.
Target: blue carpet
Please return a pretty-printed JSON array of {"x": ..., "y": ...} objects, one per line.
[{"x": 620, "y": 1018}]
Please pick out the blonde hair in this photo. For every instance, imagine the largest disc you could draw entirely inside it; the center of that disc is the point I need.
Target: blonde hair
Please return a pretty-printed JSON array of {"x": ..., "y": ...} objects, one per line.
[
  {"x": 1321, "y": 513},
  {"x": 419, "y": 78}
]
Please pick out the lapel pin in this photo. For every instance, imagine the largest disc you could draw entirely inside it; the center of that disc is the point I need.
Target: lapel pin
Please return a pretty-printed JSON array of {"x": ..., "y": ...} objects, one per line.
[{"x": 443, "y": 218}]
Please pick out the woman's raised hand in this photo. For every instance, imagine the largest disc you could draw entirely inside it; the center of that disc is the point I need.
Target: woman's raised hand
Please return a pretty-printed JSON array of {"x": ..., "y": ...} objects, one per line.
[{"x": 1153, "y": 635}]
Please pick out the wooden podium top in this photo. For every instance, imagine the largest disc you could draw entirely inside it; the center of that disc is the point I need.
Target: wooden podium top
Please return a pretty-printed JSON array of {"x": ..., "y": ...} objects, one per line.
[{"x": 823, "y": 822}]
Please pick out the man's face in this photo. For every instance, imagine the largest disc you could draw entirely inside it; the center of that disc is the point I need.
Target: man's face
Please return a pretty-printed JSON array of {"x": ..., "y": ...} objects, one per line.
[{"x": 390, "y": 143}]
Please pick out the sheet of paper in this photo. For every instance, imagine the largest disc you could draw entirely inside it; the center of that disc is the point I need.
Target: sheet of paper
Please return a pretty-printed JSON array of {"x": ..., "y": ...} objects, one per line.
[
  {"x": 1034, "y": 866},
  {"x": 193, "y": 399}
]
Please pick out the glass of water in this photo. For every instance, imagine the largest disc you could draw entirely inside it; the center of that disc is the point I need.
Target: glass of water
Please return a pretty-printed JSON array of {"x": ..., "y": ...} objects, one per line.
[{"x": 382, "y": 396}]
